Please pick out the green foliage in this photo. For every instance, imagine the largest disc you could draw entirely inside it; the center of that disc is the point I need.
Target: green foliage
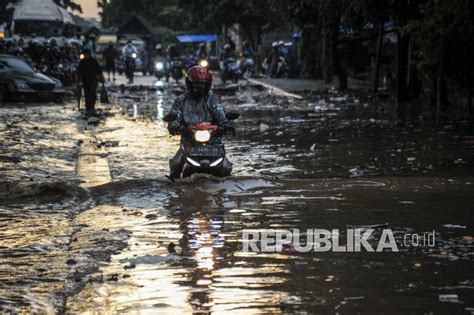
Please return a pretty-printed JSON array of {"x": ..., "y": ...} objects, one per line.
[
  {"x": 444, "y": 38},
  {"x": 69, "y": 4}
]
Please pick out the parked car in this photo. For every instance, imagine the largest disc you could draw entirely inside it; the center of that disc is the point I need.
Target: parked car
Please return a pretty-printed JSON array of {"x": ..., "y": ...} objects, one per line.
[{"x": 18, "y": 81}]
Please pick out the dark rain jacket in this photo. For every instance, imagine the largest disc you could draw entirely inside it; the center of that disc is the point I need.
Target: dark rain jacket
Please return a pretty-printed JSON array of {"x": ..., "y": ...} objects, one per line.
[{"x": 190, "y": 111}]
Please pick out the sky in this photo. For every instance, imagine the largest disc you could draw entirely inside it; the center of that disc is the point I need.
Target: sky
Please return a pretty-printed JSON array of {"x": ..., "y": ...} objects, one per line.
[{"x": 89, "y": 8}]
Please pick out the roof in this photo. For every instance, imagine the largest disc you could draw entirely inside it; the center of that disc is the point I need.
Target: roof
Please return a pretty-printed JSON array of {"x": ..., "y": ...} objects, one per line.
[
  {"x": 37, "y": 10},
  {"x": 197, "y": 38},
  {"x": 67, "y": 18},
  {"x": 85, "y": 25},
  {"x": 130, "y": 27}
]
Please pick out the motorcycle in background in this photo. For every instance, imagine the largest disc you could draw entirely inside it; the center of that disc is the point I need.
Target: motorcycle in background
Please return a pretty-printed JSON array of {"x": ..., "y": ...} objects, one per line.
[
  {"x": 249, "y": 68},
  {"x": 130, "y": 67},
  {"x": 175, "y": 71},
  {"x": 230, "y": 70},
  {"x": 282, "y": 68},
  {"x": 160, "y": 69}
]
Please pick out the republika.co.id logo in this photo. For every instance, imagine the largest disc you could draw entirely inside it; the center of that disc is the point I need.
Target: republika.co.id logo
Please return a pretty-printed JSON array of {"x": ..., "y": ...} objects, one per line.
[{"x": 321, "y": 240}]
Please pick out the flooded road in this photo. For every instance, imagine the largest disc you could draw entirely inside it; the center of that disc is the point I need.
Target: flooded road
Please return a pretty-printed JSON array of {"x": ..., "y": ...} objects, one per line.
[{"x": 89, "y": 224}]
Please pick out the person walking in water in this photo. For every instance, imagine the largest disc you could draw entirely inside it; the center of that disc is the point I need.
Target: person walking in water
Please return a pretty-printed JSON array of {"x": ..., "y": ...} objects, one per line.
[{"x": 90, "y": 74}]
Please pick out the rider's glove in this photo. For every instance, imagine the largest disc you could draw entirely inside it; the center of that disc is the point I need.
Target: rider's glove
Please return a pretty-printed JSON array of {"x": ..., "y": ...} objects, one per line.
[{"x": 174, "y": 128}]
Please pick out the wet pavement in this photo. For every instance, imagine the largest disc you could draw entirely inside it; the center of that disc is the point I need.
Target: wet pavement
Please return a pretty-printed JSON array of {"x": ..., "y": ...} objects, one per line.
[{"x": 89, "y": 224}]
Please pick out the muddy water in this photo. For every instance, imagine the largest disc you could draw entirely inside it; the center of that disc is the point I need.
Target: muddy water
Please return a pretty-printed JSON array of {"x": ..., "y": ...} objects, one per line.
[{"x": 140, "y": 244}]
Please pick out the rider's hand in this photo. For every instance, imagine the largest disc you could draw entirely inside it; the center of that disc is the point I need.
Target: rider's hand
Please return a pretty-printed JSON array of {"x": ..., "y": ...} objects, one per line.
[{"x": 174, "y": 128}]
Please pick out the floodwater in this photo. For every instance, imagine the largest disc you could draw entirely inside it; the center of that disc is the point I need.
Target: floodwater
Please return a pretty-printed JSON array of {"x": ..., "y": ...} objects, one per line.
[{"x": 76, "y": 241}]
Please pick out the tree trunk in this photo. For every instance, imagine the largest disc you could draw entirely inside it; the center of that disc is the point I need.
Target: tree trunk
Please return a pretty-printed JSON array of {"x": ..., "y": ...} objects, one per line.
[
  {"x": 400, "y": 86},
  {"x": 469, "y": 97},
  {"x": 249, "y": 34},
  {"x": 438, "y": 99},
  {"x": 326, "y": 54},
  {"x": 309, "y": 53},
  {"x": 377, "y": 58},
  {"x": 441, "y": 98},
  {"x": 335, "y": 58}
]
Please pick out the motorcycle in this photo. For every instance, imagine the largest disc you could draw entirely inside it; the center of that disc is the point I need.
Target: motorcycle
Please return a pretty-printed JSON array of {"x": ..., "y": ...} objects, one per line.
[
  {"x": 176, "y": 70},
  {"x": 130, "y": 67},
  {"x": 249, "y": 68},
  {"x": 63, "y": 72},
  {"x": 160, "y": 69},
  {"x": 230, "y": 70},
  {"x": 282, "y": 69},
  {"x": 204, "y": 153}
]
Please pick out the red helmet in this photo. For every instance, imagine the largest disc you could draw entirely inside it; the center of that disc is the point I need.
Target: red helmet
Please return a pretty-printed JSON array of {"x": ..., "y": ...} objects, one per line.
[{"x": 198, "y": 81}]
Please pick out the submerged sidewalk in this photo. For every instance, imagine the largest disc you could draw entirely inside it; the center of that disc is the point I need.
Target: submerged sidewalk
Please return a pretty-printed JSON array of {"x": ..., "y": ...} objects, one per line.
[{"x": 299, "y": 86}]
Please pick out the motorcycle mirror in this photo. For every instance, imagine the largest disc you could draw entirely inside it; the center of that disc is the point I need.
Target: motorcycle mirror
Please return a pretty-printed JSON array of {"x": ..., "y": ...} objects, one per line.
[
  {"x": 170, "y": 117},
  {"x": 232, "y": 116}
]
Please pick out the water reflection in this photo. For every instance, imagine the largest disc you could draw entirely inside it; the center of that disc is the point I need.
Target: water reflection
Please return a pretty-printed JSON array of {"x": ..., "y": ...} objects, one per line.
[{"x": 159, "y": 106}]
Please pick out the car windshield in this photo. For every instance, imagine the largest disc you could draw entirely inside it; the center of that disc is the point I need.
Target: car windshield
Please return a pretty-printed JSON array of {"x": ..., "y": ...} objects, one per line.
[{"x": 14, "y": 65}]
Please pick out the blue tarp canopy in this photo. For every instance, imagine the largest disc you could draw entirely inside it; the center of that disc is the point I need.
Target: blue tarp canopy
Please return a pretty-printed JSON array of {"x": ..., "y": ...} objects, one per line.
[{"x": 197, "y": 38}]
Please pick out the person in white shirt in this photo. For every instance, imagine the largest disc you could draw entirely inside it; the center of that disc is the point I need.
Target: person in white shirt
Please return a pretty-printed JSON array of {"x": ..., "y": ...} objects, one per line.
[{"x": 129, "y": 52}]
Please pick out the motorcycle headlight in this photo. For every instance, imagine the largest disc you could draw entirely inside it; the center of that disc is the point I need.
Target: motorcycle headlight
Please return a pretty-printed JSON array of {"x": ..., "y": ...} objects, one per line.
[
  {"x": 159, "y": 66},
  {"x": 134, "y": 55},
  {"x": 202, "y": 135},
  {"x": 81, "y": 56},
  {"x": 203, "y": 63}
]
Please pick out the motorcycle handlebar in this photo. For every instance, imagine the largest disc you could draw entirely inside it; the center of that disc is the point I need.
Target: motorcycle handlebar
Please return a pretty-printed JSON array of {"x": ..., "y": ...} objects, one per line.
[{"x": 220, "y": 131}]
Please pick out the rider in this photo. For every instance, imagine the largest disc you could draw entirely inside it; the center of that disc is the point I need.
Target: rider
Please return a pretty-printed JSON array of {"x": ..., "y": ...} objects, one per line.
[
  {"x": 129, "y": 52},
  {"x": 247, "y": 50},
  {"x": 172, "y": 52},
  {"x": 202, "y": 51},
  {"x": 197, "y": 105},
  {"x": 226, "y": 54},
  {"x": 272, "y": 59}
]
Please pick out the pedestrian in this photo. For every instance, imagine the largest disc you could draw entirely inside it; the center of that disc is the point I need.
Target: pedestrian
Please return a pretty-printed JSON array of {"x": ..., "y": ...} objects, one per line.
[
  {"x": 110, "y": 55},
  {"x": 247, "y": 50},
  {"x": 90, "y": 44},
  {"x": 272, "y": 59},
  {"x": 90, "y": 74}
]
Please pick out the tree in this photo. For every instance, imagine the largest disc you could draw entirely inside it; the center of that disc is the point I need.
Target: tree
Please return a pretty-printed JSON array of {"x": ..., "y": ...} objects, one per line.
[
  {"x": 69, "y": 4},
  {"x": 365, "y": 12},
  {"x": 444, "y": 38},
  {"x": 320, "y": 22}
]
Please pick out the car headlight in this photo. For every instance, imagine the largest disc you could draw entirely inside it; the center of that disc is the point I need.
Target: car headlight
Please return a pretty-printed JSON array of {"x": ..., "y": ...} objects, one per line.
[
  {"x": 202, "y": 135},
  {"x": 203, "y": 63},
  {"x": 22, "y": 85},
  {"x": 159, "y": 66}
]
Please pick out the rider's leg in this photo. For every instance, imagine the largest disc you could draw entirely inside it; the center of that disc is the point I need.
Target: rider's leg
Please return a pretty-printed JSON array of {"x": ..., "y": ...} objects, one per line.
[
  {"x": 177, "y": 164},
  {"x": 225, "y": 169}
]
